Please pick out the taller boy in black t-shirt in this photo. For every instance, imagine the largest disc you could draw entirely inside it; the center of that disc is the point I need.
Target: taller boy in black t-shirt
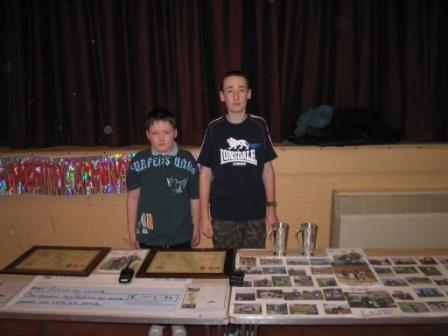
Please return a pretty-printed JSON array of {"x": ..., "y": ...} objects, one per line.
[{"x": 237, "y": 182}]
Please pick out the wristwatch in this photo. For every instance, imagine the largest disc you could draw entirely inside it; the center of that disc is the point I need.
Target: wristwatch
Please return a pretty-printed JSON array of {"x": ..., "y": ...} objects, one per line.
[{"x": 271, "y": 204}]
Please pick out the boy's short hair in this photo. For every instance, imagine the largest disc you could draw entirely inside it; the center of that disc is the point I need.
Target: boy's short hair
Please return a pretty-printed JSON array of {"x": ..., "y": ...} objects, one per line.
[
  {"x": 161, "y": 114},
  {"x": 235, "y": 73}
]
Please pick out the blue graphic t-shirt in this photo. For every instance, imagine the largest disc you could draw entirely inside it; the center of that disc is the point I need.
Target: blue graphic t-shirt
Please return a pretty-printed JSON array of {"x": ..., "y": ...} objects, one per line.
[
  {"x": 236, "y": 153},
  {"x": 167, "y": 184}
]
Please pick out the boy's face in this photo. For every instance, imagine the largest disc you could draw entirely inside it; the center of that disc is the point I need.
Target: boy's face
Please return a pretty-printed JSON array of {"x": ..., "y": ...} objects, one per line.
[
  {"x": 161, "y": 135},
  {"x": 235, "y": 94}
]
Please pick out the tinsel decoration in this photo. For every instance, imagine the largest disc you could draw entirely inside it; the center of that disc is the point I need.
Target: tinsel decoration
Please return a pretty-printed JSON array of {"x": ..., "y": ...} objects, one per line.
[{"x": 64, "y": 175}]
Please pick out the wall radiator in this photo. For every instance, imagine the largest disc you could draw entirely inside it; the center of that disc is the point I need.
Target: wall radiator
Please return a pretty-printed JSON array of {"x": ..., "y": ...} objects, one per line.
[{"x": 390, "y": 219}]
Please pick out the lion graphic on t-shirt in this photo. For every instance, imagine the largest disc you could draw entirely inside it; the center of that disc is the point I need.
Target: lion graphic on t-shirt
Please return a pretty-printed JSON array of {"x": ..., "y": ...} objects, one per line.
[{"x": 237, "y": 144}]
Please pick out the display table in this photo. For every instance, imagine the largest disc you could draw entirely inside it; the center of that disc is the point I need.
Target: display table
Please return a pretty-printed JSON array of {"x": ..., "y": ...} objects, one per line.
[
  {"x": 99, "y": 305},
  {"x": 336, "y": 292},
  {"x": 343, "y": 292}
]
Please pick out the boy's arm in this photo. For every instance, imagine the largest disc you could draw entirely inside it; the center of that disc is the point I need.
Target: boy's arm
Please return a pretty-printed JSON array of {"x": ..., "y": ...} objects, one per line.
[
  {"x": 196, "y": 239},
  {"x": 131, "y": 207},
  {"x": 269, "y": 187},
  {"x": 205, "y": 180}
]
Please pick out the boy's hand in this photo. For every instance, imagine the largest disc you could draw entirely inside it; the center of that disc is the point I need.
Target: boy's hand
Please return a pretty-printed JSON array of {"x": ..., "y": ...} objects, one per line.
[
  {"x": 196, "y": 239},
  {"x": 134, "y": 244},
  {"x": 206, "y": 228},
  {"x": 271, "y": 218}
]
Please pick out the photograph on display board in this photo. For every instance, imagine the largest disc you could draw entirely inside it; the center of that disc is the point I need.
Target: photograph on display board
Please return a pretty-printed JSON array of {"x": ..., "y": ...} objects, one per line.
[
  {"x": 269, "y": 294},
  {"x": 319, "y": 261},
  {"x": 303, "y": 309},
  {"x": 274, "y": 270},
  {"x": 247, "y": 262},
  {"x": 276, "y": 309},
  {"x": 333, "y": 294},
  {"x": 347, "y": 256},
  {"x": 426, "y": 260},
  {"x": 428, "y": 292},
  {"x": 245, "y": 296},
  {"x": 383, "y": 271},
  {"x": 326, "y": 282},
  {"x": 441, "y": 282},
  {"x": 281, "y": 281},
  {"x": 369, "y": 299},
  {"x": 296, "y": 271},
  {"x": 312, "y": 294},
  {"x": 247, "y": 308},
  {"x": 418, "y": 280},
  {"x": 403, "y": 260},
  {"x": 413, "y": 307},
  {"x": 401, "y": 295},
  {"x": 116, "y": 260},
  {"x": 292, "y": 295},
  {"x": 405, "y": 270},
  {"x": 438, "y": 306},
  {"x": 394, "y": 282},
  {"x": 264, "y": 261},
  {"x": 430, "y": 270},
  {"x": 297, "y": 261},
  {"x": 379, "y": 261},
  {"x": 337, "y": 309},
  {"x": 354, "y": 275},
  {"x": 319, "y": 270},
  {"x": 303, "y": 281}
]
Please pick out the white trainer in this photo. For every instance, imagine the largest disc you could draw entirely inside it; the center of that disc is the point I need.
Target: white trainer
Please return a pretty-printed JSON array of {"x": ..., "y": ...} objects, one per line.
[
  {"x": 178, "y": 330},
  {"x": 156, "y": 330}
]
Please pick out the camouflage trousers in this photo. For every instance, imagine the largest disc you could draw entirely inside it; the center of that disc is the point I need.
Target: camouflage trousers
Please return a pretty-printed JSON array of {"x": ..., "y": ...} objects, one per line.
[{"x": 236, "y": 235}]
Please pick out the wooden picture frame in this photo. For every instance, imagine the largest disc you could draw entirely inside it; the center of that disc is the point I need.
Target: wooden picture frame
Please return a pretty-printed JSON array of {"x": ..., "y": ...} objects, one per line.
[
  {"x": 57, "y": 260},
  {"x": 179, "y": 263}
]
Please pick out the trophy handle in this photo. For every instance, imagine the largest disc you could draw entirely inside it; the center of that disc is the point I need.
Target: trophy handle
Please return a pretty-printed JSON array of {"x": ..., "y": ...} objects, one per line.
[
  {"x": 299, "y": 230},
  {"x": 271, "y": 232}
]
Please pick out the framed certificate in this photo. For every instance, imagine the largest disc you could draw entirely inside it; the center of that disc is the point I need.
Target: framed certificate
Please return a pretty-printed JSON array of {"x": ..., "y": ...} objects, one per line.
[
  {"x": 57, "y": 260},
  {"x": 195, "y": 263}
]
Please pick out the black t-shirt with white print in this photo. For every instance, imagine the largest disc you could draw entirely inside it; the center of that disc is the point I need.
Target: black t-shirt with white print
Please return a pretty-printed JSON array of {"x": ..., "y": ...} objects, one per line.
[{"x": 236, "y": 153}]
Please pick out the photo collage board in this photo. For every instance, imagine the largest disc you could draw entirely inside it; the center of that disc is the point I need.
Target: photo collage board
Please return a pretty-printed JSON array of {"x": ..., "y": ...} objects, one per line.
[{"x": 345, "y": 282}]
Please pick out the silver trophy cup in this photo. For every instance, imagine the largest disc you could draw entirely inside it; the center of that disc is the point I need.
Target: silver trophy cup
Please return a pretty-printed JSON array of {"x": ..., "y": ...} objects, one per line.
[
  {"x": 308, "y": 239},
  {"x": 278, "y": 236}
]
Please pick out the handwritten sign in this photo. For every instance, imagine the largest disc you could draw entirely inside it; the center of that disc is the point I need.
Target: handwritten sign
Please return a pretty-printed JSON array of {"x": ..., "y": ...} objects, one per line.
[{"x": 49, "y": 296}]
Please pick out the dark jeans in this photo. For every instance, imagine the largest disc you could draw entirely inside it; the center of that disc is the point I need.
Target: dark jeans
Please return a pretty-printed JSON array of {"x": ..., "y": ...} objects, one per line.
[{"x": 183, "y": 246}]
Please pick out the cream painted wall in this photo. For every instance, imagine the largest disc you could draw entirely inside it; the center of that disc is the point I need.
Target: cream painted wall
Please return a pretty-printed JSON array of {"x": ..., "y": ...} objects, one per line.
[{"x": 306, "y": 179}]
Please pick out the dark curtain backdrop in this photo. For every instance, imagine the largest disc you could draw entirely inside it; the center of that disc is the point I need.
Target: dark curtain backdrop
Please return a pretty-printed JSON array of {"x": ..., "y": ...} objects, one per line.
[{"x": 86, "y": 72}]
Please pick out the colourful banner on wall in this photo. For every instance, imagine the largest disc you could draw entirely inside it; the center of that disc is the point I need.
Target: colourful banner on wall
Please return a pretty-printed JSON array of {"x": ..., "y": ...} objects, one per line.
[{"x": 89, "y": 175}]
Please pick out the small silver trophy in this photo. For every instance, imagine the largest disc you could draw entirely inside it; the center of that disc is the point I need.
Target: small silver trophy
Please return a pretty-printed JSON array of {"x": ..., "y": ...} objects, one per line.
[
  {"x": 308, "y": 241},
  {"x": 280, "y": 233}
]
